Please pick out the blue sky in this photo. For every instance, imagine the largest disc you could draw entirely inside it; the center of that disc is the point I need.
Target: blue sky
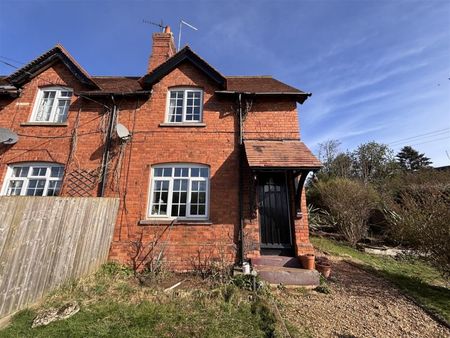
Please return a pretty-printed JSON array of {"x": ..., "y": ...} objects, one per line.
[{"x": 378, "y": 70}]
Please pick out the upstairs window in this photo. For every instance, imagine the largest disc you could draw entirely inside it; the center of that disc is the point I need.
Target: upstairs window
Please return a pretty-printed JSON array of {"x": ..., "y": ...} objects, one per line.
[
  {"x": 52, "y": 105},
  {"x": 179, "y": 190},
  {"x": 184, "y": 105},
  {"x": 33, "y": 179}
]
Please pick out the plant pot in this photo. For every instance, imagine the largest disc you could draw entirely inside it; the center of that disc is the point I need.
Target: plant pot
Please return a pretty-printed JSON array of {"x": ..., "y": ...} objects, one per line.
[
  {"x": 307, "y": 261},
  {"x": 324, "y": 269}
]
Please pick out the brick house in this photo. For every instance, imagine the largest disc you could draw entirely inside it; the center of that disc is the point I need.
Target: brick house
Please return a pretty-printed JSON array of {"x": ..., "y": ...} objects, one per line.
[{"x": 206, "y": 166}]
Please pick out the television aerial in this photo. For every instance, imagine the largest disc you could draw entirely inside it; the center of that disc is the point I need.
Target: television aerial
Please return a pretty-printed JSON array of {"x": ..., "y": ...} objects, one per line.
[
  {"x": 7, "y": 136},
  {"x": 179, "y": 32},
  {"x": 160, "y": 25}
]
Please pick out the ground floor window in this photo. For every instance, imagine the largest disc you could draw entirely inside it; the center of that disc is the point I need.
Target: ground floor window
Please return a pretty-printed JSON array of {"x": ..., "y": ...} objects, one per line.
[
  {"x": 179, "y": 190},
  {"x": 33, "y": 179}
]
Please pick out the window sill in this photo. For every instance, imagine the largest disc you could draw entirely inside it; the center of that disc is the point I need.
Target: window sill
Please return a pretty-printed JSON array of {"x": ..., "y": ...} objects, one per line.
[
  {"x": 163, "y": 221},
  {"x": 45, "y": 124},
  {"x": 183, "y": 124}
]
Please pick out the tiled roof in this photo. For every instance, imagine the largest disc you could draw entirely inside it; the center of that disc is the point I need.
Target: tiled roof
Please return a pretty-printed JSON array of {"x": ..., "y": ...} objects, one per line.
[
  {"x": 3, "y": 81},
  {"x": 126, "y": 84},
  {"x": 259, "y": 84},
  {"x": 22, "y": 75},
  {"x": 280, "y": 154}
]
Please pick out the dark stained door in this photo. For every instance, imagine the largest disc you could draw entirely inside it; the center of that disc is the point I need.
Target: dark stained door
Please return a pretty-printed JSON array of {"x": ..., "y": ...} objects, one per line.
[{"x": 274, "y": 214}]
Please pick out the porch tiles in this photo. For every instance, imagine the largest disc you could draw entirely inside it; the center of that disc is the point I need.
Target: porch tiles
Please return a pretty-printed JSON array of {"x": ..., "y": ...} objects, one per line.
[{"x": 284, "y": 270}]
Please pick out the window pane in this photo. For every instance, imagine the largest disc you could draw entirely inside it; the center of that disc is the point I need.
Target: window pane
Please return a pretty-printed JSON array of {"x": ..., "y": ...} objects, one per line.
[
  {"x": 182, "y": 211},
  {"x": 195, "y": 172},
  {"x": 39, "y": 171},
  {"x": 57, "y": 172},
  {"x": 20, "y": 171},
  {"x": 35, "y": 187},
  {"x": 53, "y": 188},
  {"x": 179, "y": 197},
  {"x": 183, "y": 197},
  {"x": 176, "y": 106},
  {"x": 194, "y": 209},
  {"x": 14, "y": 188},
  {"x": 204, "y": 172},
  {"x": 181, "y": 172},
  {"x": 163, "y": 209},
  {"x": 66, "y": 94},
  {"x": 201, "y": 197},
  {"x": 167, "y": 172},
  {"x": 45, "y": 109},
  {"x": 158, "y": 172},
  {"x": 61, "y": 111},
  {"x": 201, "y": 209}
]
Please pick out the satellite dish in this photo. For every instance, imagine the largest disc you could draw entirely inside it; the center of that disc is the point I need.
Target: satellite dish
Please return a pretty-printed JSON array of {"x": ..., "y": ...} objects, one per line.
[
  {"x": 8, "y": 136},
  {"x": 122, "y": 131}
]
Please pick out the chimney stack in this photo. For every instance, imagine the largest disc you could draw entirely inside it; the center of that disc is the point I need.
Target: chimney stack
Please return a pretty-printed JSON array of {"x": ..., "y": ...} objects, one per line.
[{"x": 162, "y": 49}]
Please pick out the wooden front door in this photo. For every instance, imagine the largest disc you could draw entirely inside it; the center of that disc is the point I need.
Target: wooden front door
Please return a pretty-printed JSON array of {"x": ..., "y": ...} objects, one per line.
[{"x": 275, "y": 227}]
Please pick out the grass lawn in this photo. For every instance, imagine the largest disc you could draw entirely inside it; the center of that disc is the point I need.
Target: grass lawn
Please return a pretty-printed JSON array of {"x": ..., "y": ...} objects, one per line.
[
  {"x": 113, "y": 304},
  {"x": 414, "y": 277}
]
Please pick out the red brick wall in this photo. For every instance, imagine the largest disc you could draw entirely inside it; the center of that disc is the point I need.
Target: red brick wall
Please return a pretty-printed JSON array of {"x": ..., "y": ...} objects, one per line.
[{"x": 215, "y": 144}]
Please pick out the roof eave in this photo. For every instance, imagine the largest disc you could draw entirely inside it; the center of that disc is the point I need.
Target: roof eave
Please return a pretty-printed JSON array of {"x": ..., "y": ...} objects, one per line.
[
  {"x": 116, "y": 93},
  {"x": 311, "y": 168},
  {"x": 300, "y": 97}
]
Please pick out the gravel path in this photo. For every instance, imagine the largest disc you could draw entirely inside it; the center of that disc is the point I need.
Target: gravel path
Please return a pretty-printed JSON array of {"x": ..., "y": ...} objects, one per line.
[{"x": 360, "y": 305}]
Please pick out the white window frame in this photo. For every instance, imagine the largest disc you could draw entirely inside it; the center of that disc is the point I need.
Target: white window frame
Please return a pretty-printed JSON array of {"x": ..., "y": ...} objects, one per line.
[
  {"x": 53, "y": 113},
  {"x": 171, "y": 179},
  {"x": 48, "y": 178},
  {"x": 185, "y": 91}
]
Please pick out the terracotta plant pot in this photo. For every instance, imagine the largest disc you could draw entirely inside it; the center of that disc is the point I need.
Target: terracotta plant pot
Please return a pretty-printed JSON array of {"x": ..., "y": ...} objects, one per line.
[
  {"x": 307, "y": 261},
  {"x": 324, "y": 269}
]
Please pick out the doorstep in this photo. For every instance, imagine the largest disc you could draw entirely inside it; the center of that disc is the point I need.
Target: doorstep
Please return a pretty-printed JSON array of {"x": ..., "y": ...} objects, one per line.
[{"x": 284, "y": 270}]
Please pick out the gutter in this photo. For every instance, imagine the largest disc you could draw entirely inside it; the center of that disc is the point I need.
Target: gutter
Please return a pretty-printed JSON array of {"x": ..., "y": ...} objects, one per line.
[
  {"x": 241, "y": 181},
  {"x": 105, "y": 159}
]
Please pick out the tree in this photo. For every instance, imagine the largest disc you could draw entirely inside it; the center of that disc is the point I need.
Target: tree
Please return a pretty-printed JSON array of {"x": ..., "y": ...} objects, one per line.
[
  {"x": 342, "y": 165},
  {"x": 328, "y": 151},
  {"x": 410, "y": 159},
  {"x": 373, "y": 161}
]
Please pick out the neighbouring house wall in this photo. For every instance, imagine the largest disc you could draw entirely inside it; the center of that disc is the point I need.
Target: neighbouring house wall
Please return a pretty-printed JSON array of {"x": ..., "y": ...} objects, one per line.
[
  {"x": 46, "y": 242},
  {"x": 55, "y": 143}
]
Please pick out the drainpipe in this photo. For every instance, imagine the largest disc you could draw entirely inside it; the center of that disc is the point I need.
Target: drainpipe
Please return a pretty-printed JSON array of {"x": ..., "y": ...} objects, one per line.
[
  {"x": 241, "y": 182},
  {"x": 105, "y": 160}
]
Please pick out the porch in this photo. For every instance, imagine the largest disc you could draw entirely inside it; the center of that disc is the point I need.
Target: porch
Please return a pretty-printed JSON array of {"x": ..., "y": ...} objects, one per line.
[{"x": 276, "y": 228}]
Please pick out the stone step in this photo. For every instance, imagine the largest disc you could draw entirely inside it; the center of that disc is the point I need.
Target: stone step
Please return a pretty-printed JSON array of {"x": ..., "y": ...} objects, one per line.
[
  {"x": 281, "y": 261},
  {"x": 276, "y": 275}
]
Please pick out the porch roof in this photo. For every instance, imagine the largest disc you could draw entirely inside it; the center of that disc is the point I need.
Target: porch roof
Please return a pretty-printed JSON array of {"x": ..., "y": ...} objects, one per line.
[{"x": 292, "y": 154}]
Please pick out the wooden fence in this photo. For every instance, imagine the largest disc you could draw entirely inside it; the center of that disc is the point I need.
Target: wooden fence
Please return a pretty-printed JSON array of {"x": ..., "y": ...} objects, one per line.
[{"x": 45, "y": 241}]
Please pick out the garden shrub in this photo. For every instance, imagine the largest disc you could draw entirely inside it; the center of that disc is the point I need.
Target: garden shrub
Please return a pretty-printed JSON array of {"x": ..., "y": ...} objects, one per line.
[
  {"x": 349, "y": 203},
  {"x": 419, "y": 217}
]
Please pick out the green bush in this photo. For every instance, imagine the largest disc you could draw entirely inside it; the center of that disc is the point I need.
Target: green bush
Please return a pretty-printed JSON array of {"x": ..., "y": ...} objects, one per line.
[
  {"x": 349, "y": 203},
  {"x": 419, "y": 216}
]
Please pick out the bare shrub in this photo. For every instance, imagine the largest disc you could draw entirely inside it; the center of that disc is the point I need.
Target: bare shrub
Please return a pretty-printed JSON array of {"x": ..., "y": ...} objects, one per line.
[
  {"x": 209, "y": 264},
  {"x": 349, "y": 203},
  {"x": 419, "y": 216},
  {"x": 146, "y": 258}
]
